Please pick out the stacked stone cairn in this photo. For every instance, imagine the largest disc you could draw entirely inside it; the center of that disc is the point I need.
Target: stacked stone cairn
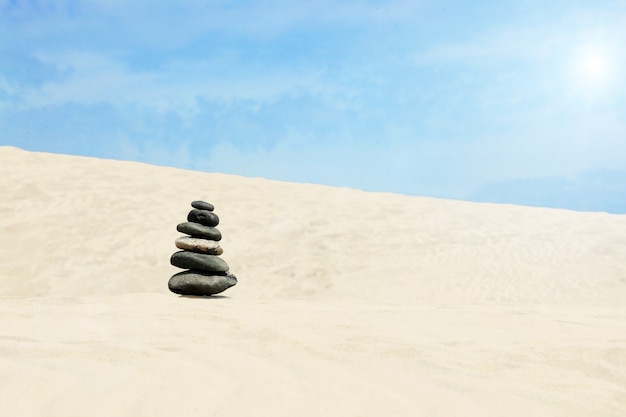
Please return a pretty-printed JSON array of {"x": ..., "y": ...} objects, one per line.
[{"x": 206, "y": 273}]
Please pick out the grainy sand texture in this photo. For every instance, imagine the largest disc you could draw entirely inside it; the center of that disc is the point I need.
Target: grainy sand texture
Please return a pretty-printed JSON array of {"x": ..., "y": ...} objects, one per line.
[{"x": 349, "y": 303}]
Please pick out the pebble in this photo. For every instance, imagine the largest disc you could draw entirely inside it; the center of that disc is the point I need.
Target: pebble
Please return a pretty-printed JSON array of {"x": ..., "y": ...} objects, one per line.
[
  {"x": 199, "y": 262},
  {"x": 193, "y": 244},
  {"x": 198, "y": 230},
  {"x": 198, "y": 283},
  {"x": 202, "y": 205},
  {"x": 204, "y": 217}
]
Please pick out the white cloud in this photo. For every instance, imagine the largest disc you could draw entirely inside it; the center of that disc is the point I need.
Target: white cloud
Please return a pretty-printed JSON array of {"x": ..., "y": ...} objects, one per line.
[
  {"x": 169, "y": 25},
  {"x": 178, "y": 87},
  {"x": 537, "y": 42},
  {"x": 6, "y": 87}
]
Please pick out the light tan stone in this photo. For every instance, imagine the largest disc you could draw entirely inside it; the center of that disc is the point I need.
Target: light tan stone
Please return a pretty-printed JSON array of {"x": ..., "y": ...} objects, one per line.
[{"x": 194, "y": 244}]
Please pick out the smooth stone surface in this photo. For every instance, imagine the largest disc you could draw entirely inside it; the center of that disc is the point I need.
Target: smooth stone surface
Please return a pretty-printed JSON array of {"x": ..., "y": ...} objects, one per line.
[
  {"x": 198, "y": 283},
  {"x": 198, "y": 230},
  {"x": 204, "y": 217},
  {"x": 202, "y": 205},
  {"x": 194, "y": 244},
  {"x": 199, "y": 262}
]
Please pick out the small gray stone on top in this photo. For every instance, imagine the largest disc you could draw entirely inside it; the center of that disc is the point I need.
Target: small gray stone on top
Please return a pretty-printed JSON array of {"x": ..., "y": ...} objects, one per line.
[{"x": 202, "y": 205}]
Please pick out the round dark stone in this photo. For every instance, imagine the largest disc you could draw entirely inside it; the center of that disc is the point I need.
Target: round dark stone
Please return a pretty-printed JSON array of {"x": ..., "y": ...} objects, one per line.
[
  {"x": 202, "y": 205},
  {"x": 199, "y": 283},
  {"x": 199, "y": 261},
  {"x": 198, "y": 230},
  {"x": 204, "y": 217}
]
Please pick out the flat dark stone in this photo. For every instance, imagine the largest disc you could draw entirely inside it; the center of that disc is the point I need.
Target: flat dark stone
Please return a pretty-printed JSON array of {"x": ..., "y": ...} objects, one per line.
[
  {"x": 199, "y": 262},
  {"x": 202, "y": 205},
  {"x": 199, "y": 283},
  {"x": 198, "y": 230},
  {"x": 204, "y": 217}
]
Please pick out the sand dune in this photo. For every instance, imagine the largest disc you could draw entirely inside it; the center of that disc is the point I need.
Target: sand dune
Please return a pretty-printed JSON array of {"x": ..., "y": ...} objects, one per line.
[{"x": 348, "y": 303}]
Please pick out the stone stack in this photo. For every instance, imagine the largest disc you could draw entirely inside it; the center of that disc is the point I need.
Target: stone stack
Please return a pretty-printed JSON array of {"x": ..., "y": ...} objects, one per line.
[{"x": 206, "y": 273}]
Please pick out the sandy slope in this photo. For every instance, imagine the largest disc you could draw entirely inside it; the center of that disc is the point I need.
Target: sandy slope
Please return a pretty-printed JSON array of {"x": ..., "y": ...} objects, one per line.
[{"x": 348, "y": 303}]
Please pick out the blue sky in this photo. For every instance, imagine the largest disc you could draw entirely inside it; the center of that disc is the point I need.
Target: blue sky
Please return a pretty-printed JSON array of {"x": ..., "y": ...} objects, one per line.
[{"x": 515, "y": 101}]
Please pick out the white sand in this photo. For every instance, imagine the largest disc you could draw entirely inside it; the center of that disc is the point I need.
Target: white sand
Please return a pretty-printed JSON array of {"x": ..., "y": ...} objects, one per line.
[{"x": 348, "y": 303}]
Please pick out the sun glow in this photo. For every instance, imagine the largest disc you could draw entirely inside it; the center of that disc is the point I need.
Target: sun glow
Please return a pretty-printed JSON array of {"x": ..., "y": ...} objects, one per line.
[
  {"x": 593, "y": 70},
  {"x": 594, "y": 66}
]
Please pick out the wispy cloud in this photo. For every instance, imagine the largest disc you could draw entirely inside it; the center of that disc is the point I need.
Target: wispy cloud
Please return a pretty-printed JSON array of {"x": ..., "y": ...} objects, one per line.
[
  {"x": 172, "y": 25},
  {"x": 179, "y": 86},
  {"x": 599, "y": 190},
  {"x": 531, "y": 39}
]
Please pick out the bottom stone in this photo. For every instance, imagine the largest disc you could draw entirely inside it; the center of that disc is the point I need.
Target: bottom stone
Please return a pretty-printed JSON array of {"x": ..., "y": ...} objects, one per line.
[{"x": 200, "y": 283}]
